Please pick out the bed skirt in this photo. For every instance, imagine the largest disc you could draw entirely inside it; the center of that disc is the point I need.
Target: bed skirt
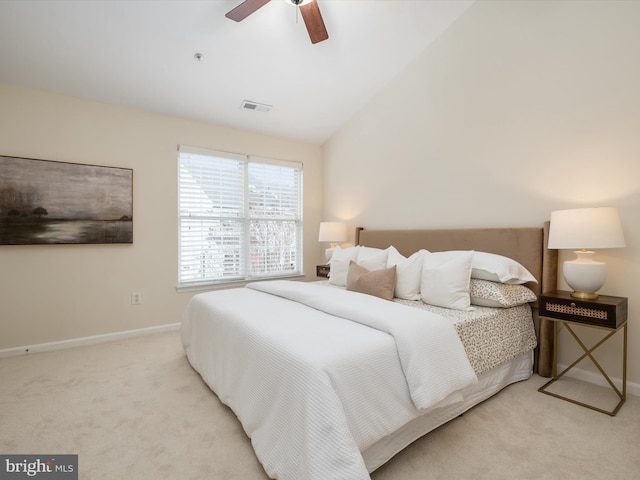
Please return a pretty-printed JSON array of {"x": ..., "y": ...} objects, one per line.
[{"x": 489, "y": 383}]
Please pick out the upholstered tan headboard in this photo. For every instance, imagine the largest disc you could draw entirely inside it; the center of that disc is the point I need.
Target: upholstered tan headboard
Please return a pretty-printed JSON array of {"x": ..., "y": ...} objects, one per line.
[{"x": 526, "y": 245}]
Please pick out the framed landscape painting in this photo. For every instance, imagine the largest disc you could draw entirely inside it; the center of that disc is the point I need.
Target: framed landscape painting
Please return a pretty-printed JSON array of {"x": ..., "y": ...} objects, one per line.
[{"x": 48, "y": 202}]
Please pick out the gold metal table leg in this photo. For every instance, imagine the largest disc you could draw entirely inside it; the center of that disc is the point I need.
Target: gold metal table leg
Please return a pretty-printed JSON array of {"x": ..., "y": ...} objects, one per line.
[{"x": 588, "y": 353}]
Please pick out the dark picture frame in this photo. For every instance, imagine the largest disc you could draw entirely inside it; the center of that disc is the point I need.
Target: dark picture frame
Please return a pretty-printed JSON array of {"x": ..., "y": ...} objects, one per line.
[{"x": 52, "y": 202}]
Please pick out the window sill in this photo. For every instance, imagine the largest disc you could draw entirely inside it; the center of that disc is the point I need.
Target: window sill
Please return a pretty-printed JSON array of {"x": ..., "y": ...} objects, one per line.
[{"x": 232, "y": 284}]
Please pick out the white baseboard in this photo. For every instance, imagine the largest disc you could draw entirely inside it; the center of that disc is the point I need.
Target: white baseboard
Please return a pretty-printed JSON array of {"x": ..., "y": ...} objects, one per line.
[
  {"x": 77, "y": 342},
  {"x": 597, "y": 379}
]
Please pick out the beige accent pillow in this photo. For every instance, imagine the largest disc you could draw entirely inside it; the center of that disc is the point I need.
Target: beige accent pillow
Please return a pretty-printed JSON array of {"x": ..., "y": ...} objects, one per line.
[{"x": 380, "y": 283}]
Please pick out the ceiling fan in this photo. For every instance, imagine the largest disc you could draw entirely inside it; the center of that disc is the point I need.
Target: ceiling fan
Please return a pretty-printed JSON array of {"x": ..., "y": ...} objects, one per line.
[{"x": 309, "y": 9}]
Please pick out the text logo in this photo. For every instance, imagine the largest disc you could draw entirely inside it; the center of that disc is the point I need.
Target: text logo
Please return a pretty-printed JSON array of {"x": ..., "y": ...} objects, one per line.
[{"x": 49, "y": 467}]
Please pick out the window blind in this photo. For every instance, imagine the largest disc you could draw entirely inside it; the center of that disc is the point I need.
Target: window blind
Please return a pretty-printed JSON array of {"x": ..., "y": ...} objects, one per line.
[{"x": 240, "y": 218}]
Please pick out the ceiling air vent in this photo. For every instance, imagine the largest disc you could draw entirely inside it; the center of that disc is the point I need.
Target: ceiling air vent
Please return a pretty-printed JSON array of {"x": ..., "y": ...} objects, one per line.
[{"x": 254, "y": 106}]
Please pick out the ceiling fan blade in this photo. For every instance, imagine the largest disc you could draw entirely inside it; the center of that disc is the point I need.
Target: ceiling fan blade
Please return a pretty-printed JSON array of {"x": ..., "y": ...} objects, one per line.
[
  {"x": 245, "y": 9},
  {"x": 313, "y": 20}
]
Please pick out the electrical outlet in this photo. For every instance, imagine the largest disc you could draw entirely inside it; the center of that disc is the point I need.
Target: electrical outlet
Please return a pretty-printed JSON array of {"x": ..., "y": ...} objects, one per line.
[{"x": 136, "y": 298}]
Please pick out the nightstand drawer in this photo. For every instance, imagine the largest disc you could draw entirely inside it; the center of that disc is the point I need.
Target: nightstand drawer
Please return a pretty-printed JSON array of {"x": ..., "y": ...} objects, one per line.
[
  {"x": 322, "y": 271},
  {"x": 605, "y": 311}
]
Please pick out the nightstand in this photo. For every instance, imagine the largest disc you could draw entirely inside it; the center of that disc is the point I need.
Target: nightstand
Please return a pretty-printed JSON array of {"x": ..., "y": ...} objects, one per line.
[
  {"x": 322, "y": 271},
  {"x": 606, "y": 313}
]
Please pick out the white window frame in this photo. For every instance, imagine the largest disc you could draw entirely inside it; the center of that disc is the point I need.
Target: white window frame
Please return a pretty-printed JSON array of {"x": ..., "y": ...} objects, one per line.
[{"x": 238, "y": 221}]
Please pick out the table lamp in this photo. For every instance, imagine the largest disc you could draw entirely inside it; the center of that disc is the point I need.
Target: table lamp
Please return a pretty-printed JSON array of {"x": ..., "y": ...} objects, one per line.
[
  {"x": 332, "y": 232},
  {"x": 584, "y": 229}
]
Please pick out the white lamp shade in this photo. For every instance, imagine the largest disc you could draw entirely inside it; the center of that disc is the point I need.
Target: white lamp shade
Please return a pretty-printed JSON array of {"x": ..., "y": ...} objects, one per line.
[
  {"x": 333, "y": 232},
  {"x": 586, "y": 228},
  {"x": 580, "y": 229}
]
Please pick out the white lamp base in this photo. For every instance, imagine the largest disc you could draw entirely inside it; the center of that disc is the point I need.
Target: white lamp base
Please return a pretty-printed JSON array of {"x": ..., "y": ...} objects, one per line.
[
  {"x": 328, "y": 253},
  {"x": 584, "y": 275}
]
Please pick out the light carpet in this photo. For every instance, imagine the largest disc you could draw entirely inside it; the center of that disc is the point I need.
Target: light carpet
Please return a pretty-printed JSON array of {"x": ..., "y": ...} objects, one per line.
[{"x": 135, "y": 409}]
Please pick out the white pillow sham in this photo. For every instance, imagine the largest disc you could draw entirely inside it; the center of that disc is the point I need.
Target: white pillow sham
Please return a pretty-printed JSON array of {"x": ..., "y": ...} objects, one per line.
[
  {"x": 446, "y": 280},
  {"x": 408, "y": 273},
  {"x": 367, "y": 257},
  {"x": 372, "y": 258},
  {"x": 495, "y": 268},
  {"x": 339, "y": 264},
  {"x": 365, "y": 252}
]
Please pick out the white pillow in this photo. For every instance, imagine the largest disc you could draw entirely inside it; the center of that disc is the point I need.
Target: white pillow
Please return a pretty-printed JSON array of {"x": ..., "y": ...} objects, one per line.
[
  {"x": 394, "y": 257},
  {"x": 445, "y": 280},
  {"x": 340, "y": 264},
  {"x": 339, "y": 253},
  {"x": 495, "y": 268},
  {"x": 372, "y": 258},
  {"x": 366, "y": 252},
  {"x": 408, "y": 273}
]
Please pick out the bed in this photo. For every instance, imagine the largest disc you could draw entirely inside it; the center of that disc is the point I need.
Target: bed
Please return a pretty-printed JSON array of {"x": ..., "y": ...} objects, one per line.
[{"x": 323, "y": 397}]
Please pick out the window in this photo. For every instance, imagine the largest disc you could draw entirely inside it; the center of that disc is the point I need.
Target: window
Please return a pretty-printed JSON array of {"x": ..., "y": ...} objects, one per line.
[{"x": 240, "y": 217}]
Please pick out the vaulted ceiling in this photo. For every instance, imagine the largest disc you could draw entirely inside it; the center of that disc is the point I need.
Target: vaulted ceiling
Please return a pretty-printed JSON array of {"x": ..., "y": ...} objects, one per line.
[{"x": 142, "y": 54}]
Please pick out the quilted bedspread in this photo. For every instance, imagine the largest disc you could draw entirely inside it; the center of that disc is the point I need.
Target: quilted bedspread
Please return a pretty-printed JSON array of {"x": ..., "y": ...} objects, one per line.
[{"x": 316, "y": 374}]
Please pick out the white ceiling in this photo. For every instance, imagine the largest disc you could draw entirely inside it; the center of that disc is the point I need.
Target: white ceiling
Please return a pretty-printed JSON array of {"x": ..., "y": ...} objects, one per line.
[{"x": 140, "y": 53}]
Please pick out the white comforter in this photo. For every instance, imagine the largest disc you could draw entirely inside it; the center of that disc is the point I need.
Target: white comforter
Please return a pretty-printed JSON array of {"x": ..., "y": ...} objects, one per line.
[{"x": 312, "y": 389}]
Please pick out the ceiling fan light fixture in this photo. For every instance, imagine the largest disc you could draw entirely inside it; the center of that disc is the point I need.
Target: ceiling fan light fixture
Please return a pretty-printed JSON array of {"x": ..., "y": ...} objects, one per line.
[{"x": 298, "y": 3}]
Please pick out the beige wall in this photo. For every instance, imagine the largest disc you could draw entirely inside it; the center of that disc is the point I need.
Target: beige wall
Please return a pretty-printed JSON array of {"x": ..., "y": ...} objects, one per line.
[
  {"x": 58, "y": 292},
  {"x": 519, "y": 109}
]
